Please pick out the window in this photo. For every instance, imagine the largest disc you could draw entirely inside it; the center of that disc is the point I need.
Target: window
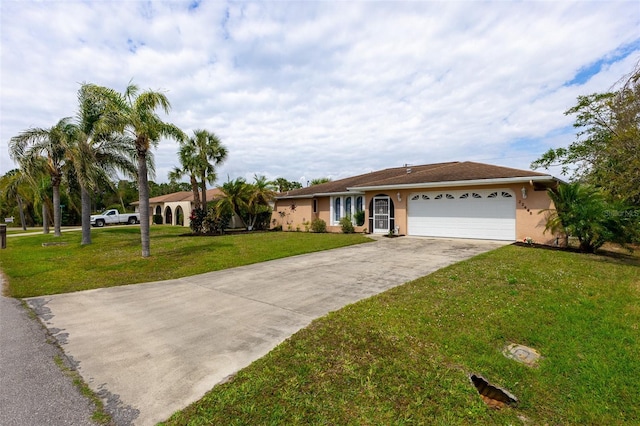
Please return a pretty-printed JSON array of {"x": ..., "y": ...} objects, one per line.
[
  {"x": 415, "y": 197},
  {"x": 465, "y": 195},
  {"x": 476, "y": 195},
  {"x": 450, "y": 197},
  {"x": 345, "y": 206},
  {"x": 438, "y": 197},
  {"x": 425, "y": 197},
  {"x": 492, "y": 195},
  {"x": 506, "y": 195},
  {"x": 315, "y": 205}
]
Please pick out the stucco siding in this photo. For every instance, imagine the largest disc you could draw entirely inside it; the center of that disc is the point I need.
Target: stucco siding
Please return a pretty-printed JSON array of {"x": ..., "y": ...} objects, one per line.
[{"x": 529, "y": 221}]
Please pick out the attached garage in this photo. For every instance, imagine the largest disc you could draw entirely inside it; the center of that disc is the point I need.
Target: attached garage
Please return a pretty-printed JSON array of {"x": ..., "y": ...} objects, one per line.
[{"x": 483, "y": 214}]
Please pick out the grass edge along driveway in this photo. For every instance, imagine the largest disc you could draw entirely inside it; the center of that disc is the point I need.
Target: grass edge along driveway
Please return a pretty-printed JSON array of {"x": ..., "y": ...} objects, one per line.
[
  {"x": 404, "y": 356},
  {"x": 43, "y": 265}
]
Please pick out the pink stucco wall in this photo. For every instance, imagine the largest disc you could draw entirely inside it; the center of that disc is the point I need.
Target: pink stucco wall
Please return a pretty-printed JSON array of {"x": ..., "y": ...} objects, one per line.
[{"x": 530, "y": 222}]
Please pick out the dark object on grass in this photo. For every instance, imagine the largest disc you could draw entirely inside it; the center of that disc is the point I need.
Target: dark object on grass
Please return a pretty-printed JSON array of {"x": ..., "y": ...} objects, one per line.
[{"x": 495, "y": 397}]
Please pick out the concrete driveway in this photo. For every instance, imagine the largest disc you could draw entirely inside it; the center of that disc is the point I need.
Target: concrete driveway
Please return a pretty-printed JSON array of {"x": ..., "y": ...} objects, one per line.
[{"x": 151, "y": 349}]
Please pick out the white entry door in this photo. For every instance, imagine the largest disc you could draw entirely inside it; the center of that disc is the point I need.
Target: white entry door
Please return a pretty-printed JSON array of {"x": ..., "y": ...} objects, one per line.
[{"x": 381, "y": 215}]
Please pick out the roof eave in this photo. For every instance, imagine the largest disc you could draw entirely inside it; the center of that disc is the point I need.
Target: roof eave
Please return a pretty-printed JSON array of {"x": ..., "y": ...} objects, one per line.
[
  {"x": 473, "y": 182},
  {"x": 321, "y": 194}
]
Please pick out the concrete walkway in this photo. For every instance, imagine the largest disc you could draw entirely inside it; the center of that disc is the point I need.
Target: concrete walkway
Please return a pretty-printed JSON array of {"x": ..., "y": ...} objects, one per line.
[{"x": 151, "y": 349}]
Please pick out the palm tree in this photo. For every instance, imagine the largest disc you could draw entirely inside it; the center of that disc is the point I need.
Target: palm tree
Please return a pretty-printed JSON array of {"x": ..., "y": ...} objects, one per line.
[
  {"x": 97, "y": 152},
  {"x": 261, "y": 194},
  {"x": 235, "y": 198},
  {"x": 134, "y": 115},
  {"x": 30, "y": 146},
  {"x": 14, "y": 186},
  {"x": 580, "y": 211},
  {"x": 188, "y": 168}
]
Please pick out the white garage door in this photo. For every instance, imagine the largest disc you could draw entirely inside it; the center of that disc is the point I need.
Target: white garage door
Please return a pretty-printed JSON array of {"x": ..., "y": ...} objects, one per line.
[{"x": 484, "y": 214}]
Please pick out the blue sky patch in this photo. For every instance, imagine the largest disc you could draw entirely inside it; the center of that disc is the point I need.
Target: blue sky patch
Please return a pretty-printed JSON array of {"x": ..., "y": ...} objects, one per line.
[{"x": 585, "y": 73}]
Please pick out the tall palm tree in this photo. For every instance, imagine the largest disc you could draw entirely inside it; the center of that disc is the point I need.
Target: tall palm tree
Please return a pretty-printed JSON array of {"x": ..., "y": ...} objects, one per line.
[
  {"x": 30, "y": 146},
  {"x": 209, "y": 153},
  {"x": 134, "y": 115},
  {"x": 199, "y": 155},
  {"x": 97, "y": 152},
  {"x": 188, "y": 168}
]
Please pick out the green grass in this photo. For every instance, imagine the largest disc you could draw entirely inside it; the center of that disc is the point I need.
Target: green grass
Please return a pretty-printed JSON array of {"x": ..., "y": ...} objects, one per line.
[
  {"x": 404, "y": 356},
  {"x": 114, "y": 257}
]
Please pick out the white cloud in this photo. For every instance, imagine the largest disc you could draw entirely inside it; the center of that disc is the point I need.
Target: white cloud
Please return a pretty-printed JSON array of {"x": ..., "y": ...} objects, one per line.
[{"x": 310, "y": 89}]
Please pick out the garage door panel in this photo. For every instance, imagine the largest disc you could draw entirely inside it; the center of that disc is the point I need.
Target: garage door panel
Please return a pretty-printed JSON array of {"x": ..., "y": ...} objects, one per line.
[{"x": 484, "y": 217}]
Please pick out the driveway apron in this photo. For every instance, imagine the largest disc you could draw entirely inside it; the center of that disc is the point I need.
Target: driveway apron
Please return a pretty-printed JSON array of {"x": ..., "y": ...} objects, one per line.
[{"x": 151, "y": 349}]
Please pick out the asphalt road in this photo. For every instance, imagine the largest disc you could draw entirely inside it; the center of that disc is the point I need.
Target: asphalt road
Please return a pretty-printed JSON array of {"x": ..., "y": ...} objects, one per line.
[{"x": 33, "y": 389}]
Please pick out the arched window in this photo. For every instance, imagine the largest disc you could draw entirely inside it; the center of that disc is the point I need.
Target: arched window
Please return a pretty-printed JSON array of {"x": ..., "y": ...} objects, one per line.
[
  {"x": 359, "y": 203},
  {"x": 336, "y": 209},
  {"x": 347, "y": 207}
]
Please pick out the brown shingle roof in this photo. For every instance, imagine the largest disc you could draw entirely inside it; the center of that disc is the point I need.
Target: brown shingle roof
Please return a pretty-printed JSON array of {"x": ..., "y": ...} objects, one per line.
[
  {"x": 181, "y": 196},
  {"x": 412, "y": 175}
]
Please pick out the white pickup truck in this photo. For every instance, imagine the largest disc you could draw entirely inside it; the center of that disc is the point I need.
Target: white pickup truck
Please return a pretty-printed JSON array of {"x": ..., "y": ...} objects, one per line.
[{"x": 112, "y": 216}]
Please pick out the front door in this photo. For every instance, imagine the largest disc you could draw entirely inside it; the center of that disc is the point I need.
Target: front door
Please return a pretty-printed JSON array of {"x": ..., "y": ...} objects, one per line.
[{"x": 381, "y": 215}]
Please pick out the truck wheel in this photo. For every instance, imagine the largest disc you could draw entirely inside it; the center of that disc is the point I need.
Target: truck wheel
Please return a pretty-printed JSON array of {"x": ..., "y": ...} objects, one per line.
[
  {"x": 132, "y": 220},
  {"x": 100, "y": 223}
]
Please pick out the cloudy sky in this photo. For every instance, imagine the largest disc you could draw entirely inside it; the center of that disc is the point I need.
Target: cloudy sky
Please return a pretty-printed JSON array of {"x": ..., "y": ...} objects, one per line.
[{"x": 306, "y": 89}]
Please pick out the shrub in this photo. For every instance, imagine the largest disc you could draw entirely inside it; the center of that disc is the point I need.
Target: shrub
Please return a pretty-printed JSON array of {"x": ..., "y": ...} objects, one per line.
[
  {"x": 319, "y": 225},
  {"x": 346, "y": 225},
  {"x": 359, "y": 217},
  {"x": 197, "y": 220},
  {"x": 157, "y": 219},
  {"x": 215, "y": 223}
]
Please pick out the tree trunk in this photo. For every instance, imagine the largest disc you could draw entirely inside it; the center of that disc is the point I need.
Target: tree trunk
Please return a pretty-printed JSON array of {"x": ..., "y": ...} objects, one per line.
[
  {"x": 204, "y": 193},
  {"x": 21, "y": 209},
  {"x": 45, "y": 218},
  {"x": 143, "y": 188},
  {"x": 85, "y": 201},
  {"x": 57, "y": 222},
  {"x": 196, "y": 192}
]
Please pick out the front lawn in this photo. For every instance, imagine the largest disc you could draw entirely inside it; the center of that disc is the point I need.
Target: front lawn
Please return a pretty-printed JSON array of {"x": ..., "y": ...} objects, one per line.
[
  {"x": 404, "y": 357},
  {"x": 114, "y": 257}
]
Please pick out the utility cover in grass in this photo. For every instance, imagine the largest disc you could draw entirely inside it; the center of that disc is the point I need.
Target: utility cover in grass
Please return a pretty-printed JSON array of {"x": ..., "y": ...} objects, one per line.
[{"x": 523, "y": 354}]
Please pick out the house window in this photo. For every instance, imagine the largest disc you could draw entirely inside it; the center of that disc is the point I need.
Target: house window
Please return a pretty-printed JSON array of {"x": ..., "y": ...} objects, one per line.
[
  {"x": 315, "y": 205},
  {"x": 345, "y": 206}
]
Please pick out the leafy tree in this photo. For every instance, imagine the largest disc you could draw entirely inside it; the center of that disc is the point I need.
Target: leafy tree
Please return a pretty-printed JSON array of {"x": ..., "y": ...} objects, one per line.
[
  {"x": 319, "y": 181},
  {"x": 30, "y": 147},
  {"x": 606, "y": 152},
  {"x": 283, "y": 185},
  {"x": 134, "y": 114}
]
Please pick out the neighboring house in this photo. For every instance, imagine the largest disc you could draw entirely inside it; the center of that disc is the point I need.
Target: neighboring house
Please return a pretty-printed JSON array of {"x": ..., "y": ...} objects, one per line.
[
  {"x": 456, "y": 199},
  {"x": 175, "y": 208}
]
